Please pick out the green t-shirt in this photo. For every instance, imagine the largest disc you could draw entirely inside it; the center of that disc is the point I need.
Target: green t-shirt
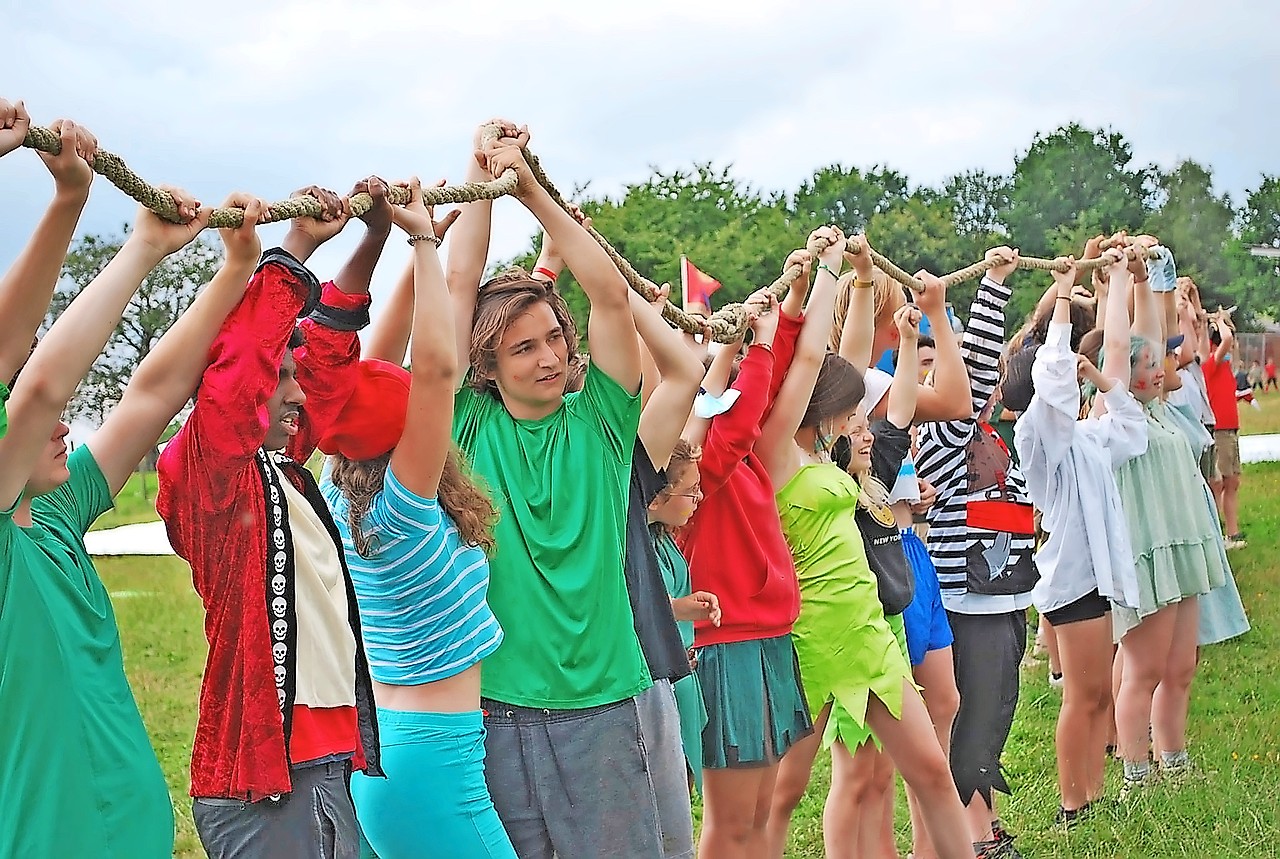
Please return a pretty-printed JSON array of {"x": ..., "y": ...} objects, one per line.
[
  {"x": 556, "y": 580},
  {"x": 4, "y": 415},
  {"x": 77, "y": 773}
]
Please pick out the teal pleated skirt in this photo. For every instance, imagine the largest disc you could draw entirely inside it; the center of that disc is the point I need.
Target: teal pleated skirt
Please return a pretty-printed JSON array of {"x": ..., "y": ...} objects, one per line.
[{"x": 756, "y": 710}]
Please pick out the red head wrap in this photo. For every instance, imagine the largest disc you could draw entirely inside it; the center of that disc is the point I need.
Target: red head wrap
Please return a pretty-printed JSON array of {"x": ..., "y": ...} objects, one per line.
[{"x": 372, "y": 421}]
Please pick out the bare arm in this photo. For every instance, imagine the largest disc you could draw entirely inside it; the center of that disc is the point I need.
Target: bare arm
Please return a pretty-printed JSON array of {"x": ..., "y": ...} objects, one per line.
[
  {"x": 611, "y": 331},
  {"x": 27, "y": 287},
  {"x": 679, "y": 373},
  {"x": 66, "y": 353},
  {"x": 167, "y": 378},
  {"x": 776, "y": 447},
  {"x": 419, "y": 458},
  {"x": 947, "y": 399},
  {"x": 905, "y": 387},
  {"x": 859, "y": 322}
]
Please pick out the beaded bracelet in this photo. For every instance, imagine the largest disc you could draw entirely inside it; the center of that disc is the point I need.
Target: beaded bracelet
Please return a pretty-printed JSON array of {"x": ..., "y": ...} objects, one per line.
[{"x": 423, "y": 237}]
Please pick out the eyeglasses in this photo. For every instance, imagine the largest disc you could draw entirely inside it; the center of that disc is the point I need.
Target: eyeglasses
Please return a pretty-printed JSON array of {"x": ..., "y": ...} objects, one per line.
[{"x": 696, "y": 492}]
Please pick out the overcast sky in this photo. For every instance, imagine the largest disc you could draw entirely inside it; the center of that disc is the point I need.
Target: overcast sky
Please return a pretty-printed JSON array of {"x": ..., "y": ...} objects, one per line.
[{"x": 275, "y": 94}]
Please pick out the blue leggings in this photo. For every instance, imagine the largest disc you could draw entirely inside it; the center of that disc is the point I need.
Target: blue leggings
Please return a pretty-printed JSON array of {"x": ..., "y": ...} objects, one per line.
[{"x": 433, "y": 802}]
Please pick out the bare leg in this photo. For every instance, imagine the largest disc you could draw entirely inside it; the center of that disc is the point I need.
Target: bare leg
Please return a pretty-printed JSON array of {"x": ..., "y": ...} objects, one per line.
[
  {"x": 914, "y": 748},
  {"x": 731, "y": 818},
  {"x": 1172, "y": 697},
  {"x": 1051, "y": 642},
  {"x": 1231, "y": 503},
  {"x": 1085, "y": 647},
  {"x": 842, "y": 815},
  {"x": 792, "y": 780},
  {"x": 1146, "y": 654},
  {"x": 937, "y": 677}
]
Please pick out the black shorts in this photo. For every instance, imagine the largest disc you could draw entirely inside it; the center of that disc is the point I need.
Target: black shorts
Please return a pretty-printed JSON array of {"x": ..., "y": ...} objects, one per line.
[{"x": 1091, "y": 605}]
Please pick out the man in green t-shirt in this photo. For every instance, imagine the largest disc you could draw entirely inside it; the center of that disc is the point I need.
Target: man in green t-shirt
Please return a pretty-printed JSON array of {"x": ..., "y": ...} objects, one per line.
[
  {"x": 564, "y": 763},
  {"x": 79, "y": 775}
]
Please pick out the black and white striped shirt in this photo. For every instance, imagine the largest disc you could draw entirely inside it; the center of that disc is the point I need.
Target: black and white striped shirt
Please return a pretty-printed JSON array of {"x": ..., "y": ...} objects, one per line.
[{"x": 943, "y": 460}]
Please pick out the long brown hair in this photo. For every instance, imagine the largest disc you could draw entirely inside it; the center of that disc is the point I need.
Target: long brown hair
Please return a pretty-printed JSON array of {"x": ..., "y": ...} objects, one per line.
[
  {"x": 837, "y": 391},
  {"x": 460, "y": 496},
  {"x": 501, "y": 300}
]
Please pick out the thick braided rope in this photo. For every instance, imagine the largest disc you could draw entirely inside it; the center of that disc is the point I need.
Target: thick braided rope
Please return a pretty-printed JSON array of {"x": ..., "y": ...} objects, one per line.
[
  {"x": 726, "y": 325},
  {"x": 112, "y": 167}
]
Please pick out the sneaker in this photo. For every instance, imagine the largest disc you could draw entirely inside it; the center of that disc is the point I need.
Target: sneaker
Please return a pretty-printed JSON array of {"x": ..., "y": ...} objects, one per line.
[
  {"x": 1235, "y": 541},
  {"x": 1068, "y": 819},
  {"x": 1135, "y": 787},
  {"x": 996, "y": 849},
  {"x": 1055, "y": 680}
]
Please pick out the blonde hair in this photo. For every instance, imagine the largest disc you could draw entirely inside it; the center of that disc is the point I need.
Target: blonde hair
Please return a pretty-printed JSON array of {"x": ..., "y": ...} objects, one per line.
[
  {"x": 885, "y": 289},
  {"x": 461, "y": 497}
]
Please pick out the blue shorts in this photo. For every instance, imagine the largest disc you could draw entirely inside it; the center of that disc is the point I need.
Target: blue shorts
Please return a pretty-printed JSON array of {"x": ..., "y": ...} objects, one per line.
[
  {"x": 434, "y": 801},
  {"x": 925, "y": 619}
]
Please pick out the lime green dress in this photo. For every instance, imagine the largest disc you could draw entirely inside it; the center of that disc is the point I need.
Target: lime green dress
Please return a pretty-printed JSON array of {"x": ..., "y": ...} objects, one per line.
[{"x": 846, "y": 649}]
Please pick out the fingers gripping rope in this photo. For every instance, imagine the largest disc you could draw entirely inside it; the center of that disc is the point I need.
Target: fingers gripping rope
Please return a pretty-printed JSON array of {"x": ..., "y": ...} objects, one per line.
[{"x": 726, "y": 325}]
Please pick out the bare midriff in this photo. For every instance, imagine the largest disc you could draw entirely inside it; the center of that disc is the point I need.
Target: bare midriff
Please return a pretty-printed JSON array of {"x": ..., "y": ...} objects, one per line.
[{"x": 457, "y": 694}]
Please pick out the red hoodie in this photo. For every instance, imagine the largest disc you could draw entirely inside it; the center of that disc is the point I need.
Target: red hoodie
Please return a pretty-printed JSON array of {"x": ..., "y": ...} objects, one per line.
[{"x": 734, "y": 541}]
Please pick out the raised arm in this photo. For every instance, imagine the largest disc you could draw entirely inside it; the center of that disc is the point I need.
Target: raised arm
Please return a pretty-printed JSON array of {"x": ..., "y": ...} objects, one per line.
[
  {"x": 67, "y": 352},
  {"x": 244, "y": 367},
  {"x": 984, "y": 335},
  {"x": 419, "y": 458},
  {"x": 948, "y": 398},
  {"x": 1115, "y": 326},
  {"x": 389, "y": 337},
  {"x": 327, "y": 358},
  {"x": 168, "y": 376},
  {"x": 27, "y": 287},
  {"x": 906, "y": 373},
  {"x": 859, "y": 329},
  {"x": 679, "y": 374},
  {"x": 732, "y": 436},
  {"x": 469, "y": 249},
  {"x": 611, "y": 331},
  {"x": 776, "y": 447},
  {"x": 1148, "y": 316}
]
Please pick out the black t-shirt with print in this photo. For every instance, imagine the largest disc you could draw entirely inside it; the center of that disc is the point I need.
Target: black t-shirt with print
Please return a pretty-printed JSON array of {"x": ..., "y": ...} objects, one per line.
[{"x": 880, "y": 532}]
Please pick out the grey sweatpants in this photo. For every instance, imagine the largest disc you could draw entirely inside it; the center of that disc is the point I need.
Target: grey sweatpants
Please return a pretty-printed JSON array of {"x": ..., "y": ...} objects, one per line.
[
  {"x": 573, "y": 784},
  {"x": 660, "y": 728},
  {"x": 315, "y": 821}
]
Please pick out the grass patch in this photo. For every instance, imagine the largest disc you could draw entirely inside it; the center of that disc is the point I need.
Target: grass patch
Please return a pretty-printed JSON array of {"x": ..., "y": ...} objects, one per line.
[
  {"x": 1232, "y": 809},
  {"x": 135, "y": 503},
  {"x": 1265, "y": 419}
]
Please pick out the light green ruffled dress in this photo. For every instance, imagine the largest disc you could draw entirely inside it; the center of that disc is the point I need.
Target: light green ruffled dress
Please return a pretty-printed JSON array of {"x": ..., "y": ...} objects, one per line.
[
  {"x": 846, "y": 649},
  {"x": 1173, "y": 528}
]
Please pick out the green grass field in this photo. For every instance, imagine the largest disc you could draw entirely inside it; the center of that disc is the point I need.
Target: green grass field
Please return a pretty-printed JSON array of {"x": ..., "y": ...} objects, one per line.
[{"x": 1231, "y": 810}]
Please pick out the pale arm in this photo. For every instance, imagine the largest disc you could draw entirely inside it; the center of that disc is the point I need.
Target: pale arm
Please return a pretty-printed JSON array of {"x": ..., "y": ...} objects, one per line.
[
  {"x": 680, "y": 373},
  {"x": 73, "y": 343},
  {"x": 27, "y": 287},
  {"x": 419, "y": 458}
]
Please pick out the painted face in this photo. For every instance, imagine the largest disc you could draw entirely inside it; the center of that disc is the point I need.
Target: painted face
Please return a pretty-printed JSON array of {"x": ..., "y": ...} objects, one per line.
[
  {"x": 1148, "y": 376},
  {"x": 51, "y": 465},
  {"x": 532, "y": 359},
  {"x": 284, "y": 409},
  {"x": 858, "y": 428},
  {"x": 675, "y": 505},
  {"x": 928, "y": 355}
]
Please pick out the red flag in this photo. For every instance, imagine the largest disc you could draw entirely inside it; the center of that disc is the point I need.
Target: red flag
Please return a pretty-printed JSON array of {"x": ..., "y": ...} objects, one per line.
[{"x": 696, "y": 286}]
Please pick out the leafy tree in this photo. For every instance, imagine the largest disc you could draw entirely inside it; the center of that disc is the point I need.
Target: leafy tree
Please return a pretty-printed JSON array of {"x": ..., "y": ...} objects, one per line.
[
  {"x": 847, "y": 197},
  {"x": 1076, "y": 178},
  {"x": 1256, "y": 281},
  {"x": 163, "y": 296},
  {"x": 1196, "y": 224}
]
